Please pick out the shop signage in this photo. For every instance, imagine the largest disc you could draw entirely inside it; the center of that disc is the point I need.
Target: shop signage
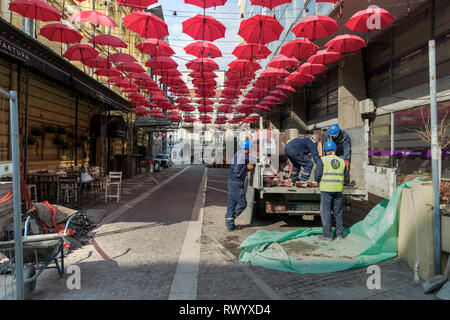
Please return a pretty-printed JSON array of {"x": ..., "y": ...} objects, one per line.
[{"x": 12, "y": 50}]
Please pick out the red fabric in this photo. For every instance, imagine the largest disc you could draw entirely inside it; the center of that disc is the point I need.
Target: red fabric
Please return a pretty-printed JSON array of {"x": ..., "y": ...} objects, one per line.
[{"x": 203, "y": 27}]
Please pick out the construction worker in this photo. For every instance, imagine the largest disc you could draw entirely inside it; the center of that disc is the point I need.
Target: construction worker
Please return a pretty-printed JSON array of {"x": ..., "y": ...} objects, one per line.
[
  {"x": 242, "y": 162},
  {"x": 298, "y": 151},
  {"x": 342, "y": 141},
  {"x": 331, "y": 177}
]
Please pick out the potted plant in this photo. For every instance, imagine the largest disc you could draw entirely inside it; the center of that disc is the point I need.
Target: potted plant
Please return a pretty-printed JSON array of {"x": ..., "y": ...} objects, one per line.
[
  {"x": 71, "y": 135},
  {"x": 31, "y": 141},
  {"x": 50, "y": 129},
  {"x": 61, "y": 130},
  {"x": 58, "y": 141},
  {"x": 37, "y": 132}
]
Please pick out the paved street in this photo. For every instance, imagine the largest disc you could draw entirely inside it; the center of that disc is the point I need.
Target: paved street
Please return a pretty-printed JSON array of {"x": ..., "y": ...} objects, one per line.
[{"x": 166, "y": 239}]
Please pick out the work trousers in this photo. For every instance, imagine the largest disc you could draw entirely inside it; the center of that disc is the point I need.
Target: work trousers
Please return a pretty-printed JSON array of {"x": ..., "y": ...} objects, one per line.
[
  {"x": 299, "y": 161},
  {"x": 236, "y": 201},
  {"x": 331, "y": 201}
]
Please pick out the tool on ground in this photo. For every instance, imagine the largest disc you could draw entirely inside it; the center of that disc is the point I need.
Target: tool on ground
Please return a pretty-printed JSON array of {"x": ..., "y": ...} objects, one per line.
[{"x": 437, "y": 281}]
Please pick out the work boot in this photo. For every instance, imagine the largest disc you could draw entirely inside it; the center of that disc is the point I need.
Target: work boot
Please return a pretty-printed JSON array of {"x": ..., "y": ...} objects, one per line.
[
  {"x": 235, "y": 228},
  {"x": 321, "y": 237}
]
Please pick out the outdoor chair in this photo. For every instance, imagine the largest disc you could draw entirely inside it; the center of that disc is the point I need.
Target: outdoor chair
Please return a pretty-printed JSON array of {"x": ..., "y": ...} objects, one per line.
[
  {"x": 68, "y": 188},
  {"x": 114, "y": 180}
]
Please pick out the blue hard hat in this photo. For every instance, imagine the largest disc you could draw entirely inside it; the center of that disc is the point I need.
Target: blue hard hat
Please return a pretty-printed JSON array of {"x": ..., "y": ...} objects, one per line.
[
  {"x": 330, "y": 145},
  {"x": 246, "y": 144},
  {"x": 334, "y": 130}
]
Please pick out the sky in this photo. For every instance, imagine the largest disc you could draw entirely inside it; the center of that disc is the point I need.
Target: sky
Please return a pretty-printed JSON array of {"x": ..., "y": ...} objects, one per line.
[{"x": 228, "y": 15}]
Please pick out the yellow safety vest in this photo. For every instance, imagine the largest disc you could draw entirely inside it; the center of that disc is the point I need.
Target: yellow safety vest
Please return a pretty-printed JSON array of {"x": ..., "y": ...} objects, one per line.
[{"x": 333, "y": 174}]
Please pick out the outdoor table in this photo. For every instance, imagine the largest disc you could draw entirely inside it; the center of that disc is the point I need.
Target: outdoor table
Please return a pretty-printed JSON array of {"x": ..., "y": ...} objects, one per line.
[{"x": 46, "y": 184}]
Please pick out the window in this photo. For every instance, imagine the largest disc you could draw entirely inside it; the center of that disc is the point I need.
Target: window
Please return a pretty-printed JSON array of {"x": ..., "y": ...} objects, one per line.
[{"x": 28, "y": 26}]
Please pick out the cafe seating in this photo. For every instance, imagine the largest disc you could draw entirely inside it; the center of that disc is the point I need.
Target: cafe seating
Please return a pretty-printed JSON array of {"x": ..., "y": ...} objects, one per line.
[
  {"x": 114, "y": 181},
  {"x": 68, "y": 188}
]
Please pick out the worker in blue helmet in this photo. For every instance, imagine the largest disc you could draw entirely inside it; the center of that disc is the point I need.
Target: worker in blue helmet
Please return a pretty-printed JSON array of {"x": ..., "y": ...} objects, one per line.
[
  {"x": 298, "y": 151},
  {"x": 331, "y": 177},
  {"x": 243, "y": 161},
  {"x": 342, "y": 141}
]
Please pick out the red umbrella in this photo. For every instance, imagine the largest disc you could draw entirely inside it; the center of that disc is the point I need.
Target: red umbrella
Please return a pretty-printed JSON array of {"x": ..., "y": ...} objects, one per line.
[
  {"x": 205, "y": 4},
  {"x": 205, "y": 109},
  {"x": 260, "y": 29},
  {"x": 121, "y": 57},
  {"x": 226, "y": 101},
  {"x": 80, "y": 52},
  {"x": 225, "y": 109},
  {"x": 308, "y": 68},
  {"x": 203, "y": 27},
  {"x": 140, "y": 76},
  {"x": 274, "y": 72},
  {"x": 186, "y": 107},
  {"x": 244, "y": 65},
  {"x": 250, "y": 102},
  {"x": 315, "y": 27},
  {"x": 35, "y": 9},
  {"x": 130, "y": 89},
  {"x": 278, "y": 94},
  {"x": 263, "y": 108},
  {"x": 130, "y": 67},
  {"x": 203, "y": 75},
  {"x": 97, "y": 62},
  {"x": 244, "y": 109},
  {"x": 146, "y": 24},
  {"x": 161, "y": 62},
  {"x": 299, "y": 48},
  {"x": 269, "y": 3},
  {"x": 325, "y": 57},
  {"x": 284, "y": 62},
  {"x": 202, "y": 64},
  {"x": 345, "y": 43},
  {"x": 285, "y": 88},
  {"x": 108, "y": 40},
  {"x": 251, "y": 51},
  {"x": 297, "y": 80},
  {"x": 155, "y": 47},
  {"x": 370, "y": 19},
  {"x": 110, "y": 72},
  {"x": 272, "y": 99},
  {"x": 182, "y": 100},
  {"x": 60, "y": 33},
  {"x": 203, "y": 49},
  {"x": 93, "y": 17},
  {"x": 138, "y": 4}
]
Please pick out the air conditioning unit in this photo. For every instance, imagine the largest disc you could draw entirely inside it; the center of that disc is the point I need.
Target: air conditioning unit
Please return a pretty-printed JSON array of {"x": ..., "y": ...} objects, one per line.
[{"x": 367, "y": 107}]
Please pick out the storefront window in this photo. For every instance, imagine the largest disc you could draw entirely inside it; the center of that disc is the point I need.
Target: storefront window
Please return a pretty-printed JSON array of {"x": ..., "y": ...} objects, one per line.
[{"x": 380, "y": 141}]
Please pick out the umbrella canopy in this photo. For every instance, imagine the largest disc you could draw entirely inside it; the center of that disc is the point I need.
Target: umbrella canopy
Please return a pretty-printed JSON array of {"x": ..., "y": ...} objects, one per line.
[
  {"x": 284, "y": 62},
  {"x": 182, "y": 100},
  {"x": 274, "y": 72},
  {"x": 203, "y": 27},
  {"x": 244, "y": 109},
  {"x": 325, "y": 57},
  {"x": 315, "y": 27},
  {"x": 345, "y": 43},
  {"x": 108, "y": 40},
  {"x": 308, "y": 68},
  {"x": 60, "y": 33},
  {"x": 146, "y": 24},
  {"x": 155, "y": 47},
  {"x": 205, "y": 4},
  {"x": 140, "y": 76},
  {"x": 97, "y": 62},
  {"x": 110, "y": 72},
  {"x": 35, "y": 9},
  {"x": 370, "y": 19},
  {"x": 138, "y": 4},
  {"x": 93, "y": 17},
  {"x": 202, "y": 64},
  {"x": 297, "y": 80},
  {"x": 130, "y": 67},
  {"x": 251, "y": 51},
  {"x": 260, "y": 29},
  {"x": 285, "y": 88},
  {"x": 244, "y": 65},
  {"x": 80, "y": 52},
  {"x": 121, "y": 57},
  {"x": 278, "y": 94},
  {"x": 269, "y": 3},
  {"x": 130, "y": 89},
  {"x": 161, "y": 62},
  {"x": 299, "y": 48},
  {"x": 186, "y": 107},
  {"x": 226, "y": 101},
  {"x": 263, "y": 108},
  {"x": 225, "y": 109},
  {"x": 205, "y": 109},
  {"x": 203, "y": 49},
  {"x": 250, "y": 101}
]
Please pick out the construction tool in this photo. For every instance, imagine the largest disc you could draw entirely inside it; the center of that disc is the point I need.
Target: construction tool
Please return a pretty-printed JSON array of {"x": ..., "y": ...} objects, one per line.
[{"x": 438, "y": 281}]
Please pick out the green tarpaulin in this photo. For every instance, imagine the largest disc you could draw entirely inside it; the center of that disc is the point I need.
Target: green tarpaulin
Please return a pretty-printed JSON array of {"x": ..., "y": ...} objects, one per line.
[{"x": 367, "y": 242}]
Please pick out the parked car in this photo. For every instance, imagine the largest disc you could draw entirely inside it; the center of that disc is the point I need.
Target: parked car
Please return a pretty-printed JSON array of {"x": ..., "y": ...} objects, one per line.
[{"x": 162, "y": 160}]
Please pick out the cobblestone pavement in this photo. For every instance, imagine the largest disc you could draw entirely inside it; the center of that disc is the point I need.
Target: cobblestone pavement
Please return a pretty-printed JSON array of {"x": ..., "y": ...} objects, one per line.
[{"x": 136, "y": 251}]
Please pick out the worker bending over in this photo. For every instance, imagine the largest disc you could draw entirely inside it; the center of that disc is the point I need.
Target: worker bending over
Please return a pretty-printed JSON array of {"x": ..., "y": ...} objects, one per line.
[
  {"x": 331, "y": 178},
  {"x": 298, "y": 151},
  {"x": 342, "y": 141},
  {"x": 242, "y": 162}
]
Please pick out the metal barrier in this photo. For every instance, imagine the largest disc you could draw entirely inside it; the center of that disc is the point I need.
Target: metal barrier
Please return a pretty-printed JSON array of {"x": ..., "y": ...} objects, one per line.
[{"x": 11, "y": 261}]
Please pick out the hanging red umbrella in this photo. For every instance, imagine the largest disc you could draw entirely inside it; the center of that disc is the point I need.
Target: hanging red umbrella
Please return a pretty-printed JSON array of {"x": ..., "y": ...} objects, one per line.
[
  {"x": 345, "y": 43},
  {"x": 130, "y": 67},
  {"x": 60, "y": 33},
  {"x": 108, "y": 40},
  {"x": 244, "y": 65},
  {"x": 225, "y": 109},
  {"x": 205, "y": 109},
  {"x": 121, "y": 57},
  {"x": 80, "y": 52},
  {"x": 244, "y": 109},
  {"x": 315, "y": 27},
  {"x": 269, "y": 3},
  {"x": 161, "y": 62},
  {"x": 263, "y": 108},
  {"x": 146, "y": 24},
  {"x": 97, "y": 62},
  {"x": 260, "y": 29},
  {"x": 205, "y": 4},
  {"x": 284, "y": 62},
  {"x": 226, "y": 101},
  {"x": 93, "y": 17},
  {"x": 296, "y": 79},
  {"x": 299, "y": 48},
  {"x": 189, "y": 119},
  {"x": 251, "y": 51},
  {"x": 202, "y": 64},
  {"x": 203, "y": 27},
  {"x": 274, "y": 72},
  {"x": 250, "y": 101},
  {"x": 203, "y": 49},
  {"x": 370, "y": 19},
  {"x": 182, "y": 100},
  {"x": 186, "y": 107},
  {"x": 203, "y": 75},
  {"x": 155, "y": 47},
  {"x": 138, "y": 4},
  {"x": 325, "y": 57},
  {"x": 308, "y": 68},
  {"x": 110, "y": 72},
  {"x": 278, "y": 94},
  {"x": 140, "y": 76},
  {"x": 285, "y": 88},
  {"x": 35, "y": 9},
  {"x": 272, "y": 99},
  {"x": 130, "y": 89}
]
